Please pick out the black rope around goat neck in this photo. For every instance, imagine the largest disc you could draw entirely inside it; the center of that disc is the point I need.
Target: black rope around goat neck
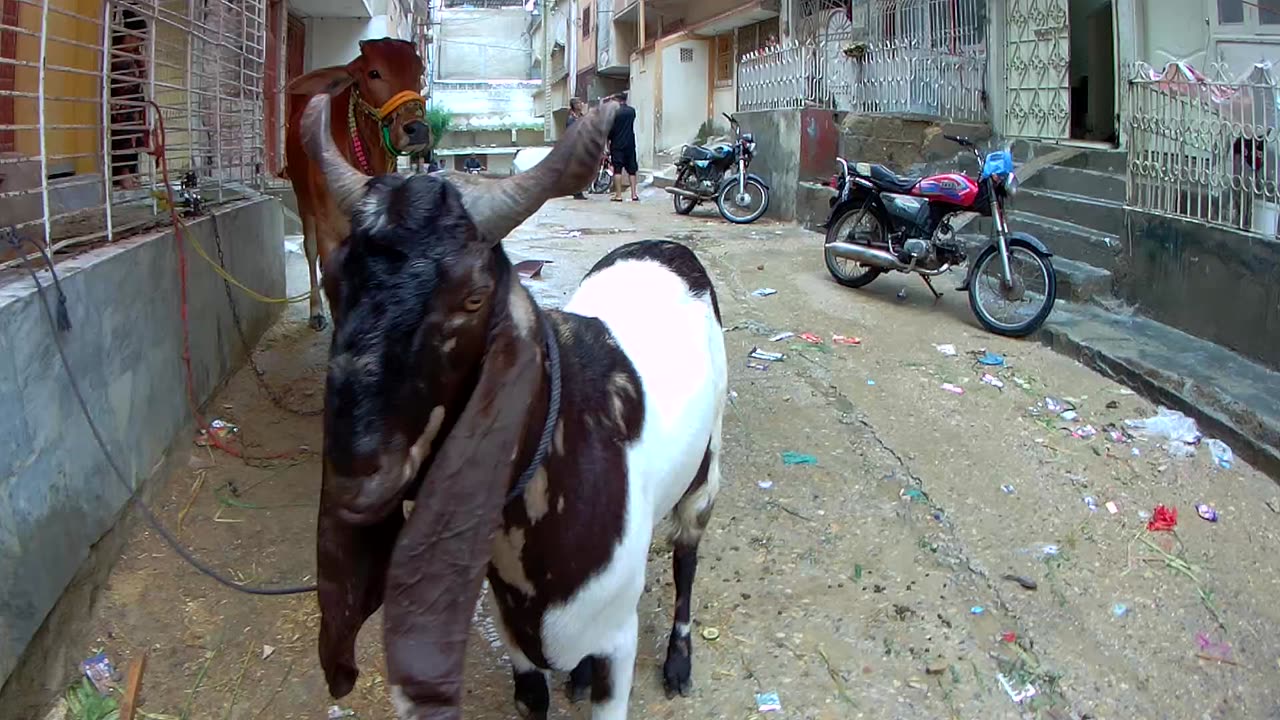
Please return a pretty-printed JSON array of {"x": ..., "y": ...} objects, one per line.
[
  {"x": 164, "y": 532},
  {"x": 553, "y": 410}
]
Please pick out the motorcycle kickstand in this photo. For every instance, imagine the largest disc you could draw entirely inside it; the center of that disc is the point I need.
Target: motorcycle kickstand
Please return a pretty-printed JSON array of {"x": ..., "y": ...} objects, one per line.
[{"x": 936, "y": 295}]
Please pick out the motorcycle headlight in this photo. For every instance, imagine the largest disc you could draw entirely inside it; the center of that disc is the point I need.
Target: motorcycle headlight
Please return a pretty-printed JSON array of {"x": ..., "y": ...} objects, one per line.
[{"x": 751, "y": 147}]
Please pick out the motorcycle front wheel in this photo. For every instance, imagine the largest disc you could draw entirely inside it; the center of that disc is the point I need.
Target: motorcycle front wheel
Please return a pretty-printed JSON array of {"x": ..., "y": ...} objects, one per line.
[
  {"x": 602, "y": 183},
  {"x": 1020, "y": 308},
  {"x": 744, "y": 208}
]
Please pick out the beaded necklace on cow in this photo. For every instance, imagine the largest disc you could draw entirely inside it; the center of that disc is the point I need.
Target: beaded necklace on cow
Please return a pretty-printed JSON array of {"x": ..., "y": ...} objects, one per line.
[{"x": 382, "y": 116}]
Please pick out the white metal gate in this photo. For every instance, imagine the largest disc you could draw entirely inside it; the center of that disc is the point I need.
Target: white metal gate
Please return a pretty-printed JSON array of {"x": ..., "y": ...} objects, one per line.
[{"x": 1038, "y": 104}]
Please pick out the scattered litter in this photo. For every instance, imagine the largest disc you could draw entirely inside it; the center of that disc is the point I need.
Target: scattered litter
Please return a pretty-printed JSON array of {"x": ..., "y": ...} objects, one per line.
[
  {"x": 991, "y": 359},
  {"x": 954, "y": 389},
  {"x": 757, "y": 366},
  {"x": 1135, "y": 452},
  {"x": 1143, "y": 515},
  {"x": 1222, "y": 454},
  {"x": 1113, "y": 405},
  {"x": 948, "y": 350},
  {"x": 1084, "y": 432},
  {"x": 1119, "y": 610},
  {"x": 937, "y": 667},
  {"x": 759, "y": 354},
  {"x": 337, "y": 713},
  {"x": 1050, "y": 550},
  {"x": 531, "y": 269},
  {"x": 1111, "y": 507},
  {"x": 768, "y": 702},
  {"x": 1180, "y": 430},
  {"x": 1008, "y": 489},
  {"x": 902, "y": 294},
  {"x": 1207, "y": 512},
  {"x": 574, "y": 233},
  {"x": 1217, "y": 650},
  {"x": 1021, "y": 383},
  {"x": 1025, "y": 582},
  {"x": 764, "y": 292},
  {"x": 795, "y": 458},
  {"x": 845, "y": 340},
  {"x": 1273, "y": 505},
  {"x": 977, "y": 610},
  {"x": 782, "y": 336},
  {"x": 912, "y": 494},
  {"x": 100, "y": 672},
  {"x": 710, "y": 634},
  {"x": 268, "y": 651},
  {"x": 993, "y": 381},
  {"x": 857, "y": 571},
  {"x": 1116, "y": 435},
  {"x": 811, "y": 338},
  {"x": 1009, "y": 636},
  {"x": 1017, "y": 696},
  {"x": 1070, "y": 415},
  {"x": 220, "y": 430},
  {"x": 871, "y": 382},
  {"x": 765, "y": 484},
  {"x": 1053, "y": 406},
  {"x": 1163, "y": 519},
  {"x": 1091, "y": 503}
]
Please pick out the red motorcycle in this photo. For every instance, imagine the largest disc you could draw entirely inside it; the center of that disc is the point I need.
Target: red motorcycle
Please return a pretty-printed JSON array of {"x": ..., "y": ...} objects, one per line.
[{"x": 882, "y": 222}]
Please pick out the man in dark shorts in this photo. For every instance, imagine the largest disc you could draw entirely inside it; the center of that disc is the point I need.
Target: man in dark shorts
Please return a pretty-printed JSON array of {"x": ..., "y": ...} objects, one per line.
[{"x": 622, "y": 148}]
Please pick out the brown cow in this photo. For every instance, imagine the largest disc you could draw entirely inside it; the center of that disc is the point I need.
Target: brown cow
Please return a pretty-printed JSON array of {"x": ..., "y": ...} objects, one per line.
[{"x": 385, "y": 70}]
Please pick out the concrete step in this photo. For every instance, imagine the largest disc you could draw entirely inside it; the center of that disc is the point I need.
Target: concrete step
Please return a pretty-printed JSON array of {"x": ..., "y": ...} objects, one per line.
[
  {"x": 1113, "y": 162},
  {"x": 1077, "y": 281},
  {"x": 1106, "y": 216},
  {"x": 1089, "y": 183},
  {"x": 1232, "y": 399},
  {"x": 1066, "y": 239}
]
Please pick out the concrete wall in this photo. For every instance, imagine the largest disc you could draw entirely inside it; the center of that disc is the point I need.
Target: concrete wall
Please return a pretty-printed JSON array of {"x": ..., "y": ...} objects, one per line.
[
  {"x": 336, "y": 41},
  {"x": 777, "y": 134},
  {"x": 724, "y": 100},
  {"x": 1214, "y": 283},
  {"x": 642, "y": 96},
  {"x": 57, "y": 494},
  {"x": 908, "y": 146},
  {"x": 684, "y": 91},
  {"x": 1171, "y": 30},
  {"x": 481, "y": 43}
]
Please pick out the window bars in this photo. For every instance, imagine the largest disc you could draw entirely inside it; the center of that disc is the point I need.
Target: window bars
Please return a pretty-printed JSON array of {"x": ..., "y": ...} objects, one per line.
[
  {"x": 79, "y": 132},
  {"x": 1205, "y": 147}
]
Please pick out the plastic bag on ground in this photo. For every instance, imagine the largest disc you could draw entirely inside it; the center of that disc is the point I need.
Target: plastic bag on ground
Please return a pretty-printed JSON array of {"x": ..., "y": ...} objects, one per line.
[{"x": 1180, "y": 430}]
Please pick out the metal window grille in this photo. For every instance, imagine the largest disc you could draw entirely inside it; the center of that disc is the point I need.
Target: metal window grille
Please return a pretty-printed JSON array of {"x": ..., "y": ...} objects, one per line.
[
  {"x": 1205, "y": 147},
  {"x": 82, "y": 167},
  {"x": 911, "y": 57}
]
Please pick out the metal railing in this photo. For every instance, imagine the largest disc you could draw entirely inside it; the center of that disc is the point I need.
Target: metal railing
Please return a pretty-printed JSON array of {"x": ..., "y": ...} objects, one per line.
[
  {"x": 82, "y": 132},
  {"x": 1204, "y": 147},
  {"x": 912, "y": 57}
]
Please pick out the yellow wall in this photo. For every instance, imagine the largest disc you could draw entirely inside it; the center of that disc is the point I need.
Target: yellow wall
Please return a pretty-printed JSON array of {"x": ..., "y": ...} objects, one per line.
[{"x": 85, "y": 108}]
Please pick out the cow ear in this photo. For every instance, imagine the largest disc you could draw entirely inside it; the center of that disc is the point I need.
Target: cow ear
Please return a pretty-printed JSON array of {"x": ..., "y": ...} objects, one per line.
[
  {"x": 329, "y": 81},
  {"x": 440, "y": 557}
]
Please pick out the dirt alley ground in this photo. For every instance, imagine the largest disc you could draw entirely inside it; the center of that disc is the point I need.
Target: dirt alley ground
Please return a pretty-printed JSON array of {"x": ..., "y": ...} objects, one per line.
[{"x": 852, "y": 587}]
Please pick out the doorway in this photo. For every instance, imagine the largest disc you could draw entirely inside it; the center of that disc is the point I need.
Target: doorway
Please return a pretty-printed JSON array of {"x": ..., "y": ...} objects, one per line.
[{"x": 1093, "y": 71}]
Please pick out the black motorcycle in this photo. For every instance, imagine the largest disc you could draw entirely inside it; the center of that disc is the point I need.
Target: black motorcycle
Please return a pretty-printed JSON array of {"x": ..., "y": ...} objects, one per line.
[{"x": 719, "y": 173}]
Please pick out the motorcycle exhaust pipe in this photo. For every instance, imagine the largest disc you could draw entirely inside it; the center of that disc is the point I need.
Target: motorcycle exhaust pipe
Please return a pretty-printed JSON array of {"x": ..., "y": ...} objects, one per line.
[
  {"x": 684, "y": 193},
  {"x": 872, "y": 257}
]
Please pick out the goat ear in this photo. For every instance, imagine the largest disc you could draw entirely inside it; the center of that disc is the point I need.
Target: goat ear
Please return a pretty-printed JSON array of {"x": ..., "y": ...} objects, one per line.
[
  {"x": 330, "y": 81},
  {"x": 440, "y": 557}
]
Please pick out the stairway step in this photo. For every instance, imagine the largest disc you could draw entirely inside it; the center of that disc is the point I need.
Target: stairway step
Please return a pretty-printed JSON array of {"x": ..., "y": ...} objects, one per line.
[
  {"x": 1075, "y": 181},
  {"x": 1106, "y": 216}
]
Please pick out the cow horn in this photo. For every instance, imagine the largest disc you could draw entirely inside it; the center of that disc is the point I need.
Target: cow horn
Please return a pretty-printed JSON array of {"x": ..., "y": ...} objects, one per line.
[
  {"x": 498, "y": 206},
  {"x": 346, "y": 184}
]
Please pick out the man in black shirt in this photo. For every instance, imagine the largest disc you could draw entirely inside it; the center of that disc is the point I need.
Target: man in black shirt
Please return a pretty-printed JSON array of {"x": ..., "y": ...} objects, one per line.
[
  {"x": 472, "y": 164},
  {"x": 622, "y": 149}
]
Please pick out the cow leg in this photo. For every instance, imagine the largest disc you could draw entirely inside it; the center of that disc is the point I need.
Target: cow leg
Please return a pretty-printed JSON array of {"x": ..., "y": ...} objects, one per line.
[
  {"x": 691, "y": 516},
  {"x": 310, "y": 243},
  {"x": 612, "y": 674}
]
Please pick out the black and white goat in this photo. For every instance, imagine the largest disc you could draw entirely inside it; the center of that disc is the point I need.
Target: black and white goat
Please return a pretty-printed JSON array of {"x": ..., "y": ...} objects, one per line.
[{"x": 542, "y": 446}]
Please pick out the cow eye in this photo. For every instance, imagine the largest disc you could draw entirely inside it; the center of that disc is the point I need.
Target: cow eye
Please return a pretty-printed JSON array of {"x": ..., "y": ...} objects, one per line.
[
  {"x": 374, "y": 75},
  {"x": 474, "y": 303}
]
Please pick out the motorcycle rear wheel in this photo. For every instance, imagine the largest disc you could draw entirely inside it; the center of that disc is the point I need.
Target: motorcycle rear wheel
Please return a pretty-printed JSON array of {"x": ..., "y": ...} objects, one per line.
[
  {"x": 851, "y": 273},
  {"x": 986, "y": 278},
  {"x": 683, "y": 205}
]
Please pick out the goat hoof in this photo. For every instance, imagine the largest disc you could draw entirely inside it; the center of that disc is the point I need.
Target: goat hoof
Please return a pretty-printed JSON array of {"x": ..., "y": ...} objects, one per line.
[
  {"x": 579, "y": 686},
  {"x": 526, "y": 713},
  {"x": 342, "y": 681},
  {"x": 318, "y": 322},
  {"x": 577, "y": 693},
  {"x": 677, "y": 676}
]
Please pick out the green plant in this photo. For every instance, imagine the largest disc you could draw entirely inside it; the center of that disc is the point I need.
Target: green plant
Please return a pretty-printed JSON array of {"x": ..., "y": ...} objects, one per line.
[
  {"x": 706, "y": 131},
  {"x": 440, "y": 121},
  {"x": 84, "y": 703}
]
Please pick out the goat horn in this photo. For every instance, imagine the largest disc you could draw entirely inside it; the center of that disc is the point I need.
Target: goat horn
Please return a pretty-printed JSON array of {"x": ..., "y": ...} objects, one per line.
[
  {"x": 498, "y": 206},
  {"x": 346, "y": 184}
]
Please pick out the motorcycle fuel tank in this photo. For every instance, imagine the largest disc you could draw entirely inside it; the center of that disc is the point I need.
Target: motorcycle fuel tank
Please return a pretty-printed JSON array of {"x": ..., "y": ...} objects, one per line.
[
  {"x": 951, "y": 188},
  {"x": 908, "y": 212}
]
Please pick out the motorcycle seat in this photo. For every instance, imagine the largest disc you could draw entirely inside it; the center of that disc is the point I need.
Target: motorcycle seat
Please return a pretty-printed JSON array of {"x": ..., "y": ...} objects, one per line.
[
  {"x": 697, "y": 152},
  {"x": 886, "y": 178}
]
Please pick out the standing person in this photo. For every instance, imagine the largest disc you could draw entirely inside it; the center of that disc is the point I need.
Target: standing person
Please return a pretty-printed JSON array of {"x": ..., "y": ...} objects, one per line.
[
  {"x": 129, "y": 132},
  {"x": 622, "y": 148},
  {"x": 575, "y": 113}
]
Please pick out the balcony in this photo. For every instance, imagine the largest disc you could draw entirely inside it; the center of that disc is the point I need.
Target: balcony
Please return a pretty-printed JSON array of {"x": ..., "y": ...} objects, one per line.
[{"x": 331, "y": 8}]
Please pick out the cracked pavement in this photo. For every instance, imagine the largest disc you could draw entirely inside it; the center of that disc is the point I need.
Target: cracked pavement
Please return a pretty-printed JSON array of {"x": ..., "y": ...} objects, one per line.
[{"x": 874, "y": 584}]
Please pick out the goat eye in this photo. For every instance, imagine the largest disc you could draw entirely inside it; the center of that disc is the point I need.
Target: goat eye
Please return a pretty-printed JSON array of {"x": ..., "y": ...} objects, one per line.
[
  {"x": 473, "y": 303},
  {"x": 374, "y": 75}
]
